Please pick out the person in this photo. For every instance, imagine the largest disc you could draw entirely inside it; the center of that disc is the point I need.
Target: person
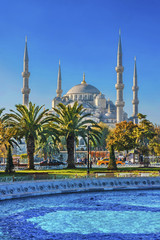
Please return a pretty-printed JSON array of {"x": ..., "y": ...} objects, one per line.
[
  {"x": 141, "y": 158},
  {"x": 91, "y": 163},
  {"x": 85, "y": 160}
]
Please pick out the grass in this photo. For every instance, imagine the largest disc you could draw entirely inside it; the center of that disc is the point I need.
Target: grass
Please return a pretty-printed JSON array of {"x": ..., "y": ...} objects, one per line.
[{"x": 80, "y": 172}]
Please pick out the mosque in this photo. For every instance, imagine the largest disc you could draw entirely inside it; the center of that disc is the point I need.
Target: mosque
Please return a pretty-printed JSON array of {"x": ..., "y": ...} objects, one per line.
[{"x": 94, "y": 101}]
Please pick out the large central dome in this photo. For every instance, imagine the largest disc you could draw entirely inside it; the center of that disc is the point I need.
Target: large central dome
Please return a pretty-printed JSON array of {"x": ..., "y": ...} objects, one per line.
[{"x": 83, "y": 88}]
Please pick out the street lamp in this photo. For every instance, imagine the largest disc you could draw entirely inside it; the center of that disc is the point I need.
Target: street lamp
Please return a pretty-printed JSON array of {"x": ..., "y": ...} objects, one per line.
[
  {"x": 88, "y": 135},
  {"x": 49, "y": 152}
]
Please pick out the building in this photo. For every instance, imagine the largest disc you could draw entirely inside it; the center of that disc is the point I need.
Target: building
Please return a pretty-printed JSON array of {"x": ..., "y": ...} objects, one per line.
[{"x": 94, "y": 101}]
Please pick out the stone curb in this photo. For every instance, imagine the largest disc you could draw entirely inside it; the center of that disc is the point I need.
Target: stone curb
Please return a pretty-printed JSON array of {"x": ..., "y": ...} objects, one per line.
[{"x": 48, "y": 187}]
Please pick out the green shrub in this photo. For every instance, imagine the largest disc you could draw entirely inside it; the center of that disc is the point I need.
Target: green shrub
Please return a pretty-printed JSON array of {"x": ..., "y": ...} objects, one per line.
[{"x": 9, "y": 165}]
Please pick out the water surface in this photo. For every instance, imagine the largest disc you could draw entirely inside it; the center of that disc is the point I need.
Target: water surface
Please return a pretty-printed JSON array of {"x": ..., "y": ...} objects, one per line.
[{"x": 101, "y": 215}]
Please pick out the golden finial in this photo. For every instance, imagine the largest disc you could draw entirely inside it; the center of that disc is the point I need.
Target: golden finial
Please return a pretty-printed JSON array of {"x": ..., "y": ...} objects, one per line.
[{"x": 83, "y": 82}]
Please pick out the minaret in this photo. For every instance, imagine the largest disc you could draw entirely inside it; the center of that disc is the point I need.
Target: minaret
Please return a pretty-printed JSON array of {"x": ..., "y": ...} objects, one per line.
[
  {"x": 109, "y": 107},
  {"x": 59, "y": 80},
  {"x": 119, "y": 86},
  {"x": 25, "y": 74},
  {"x": 135, "y": 88}
]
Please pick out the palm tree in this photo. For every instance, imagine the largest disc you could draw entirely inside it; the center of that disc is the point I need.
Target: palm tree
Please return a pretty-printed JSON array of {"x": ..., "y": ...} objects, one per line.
[
  {"x": 1, "y": 111},
  {"x": 47, "y": 146},
  {"x": 29, "y": 123},
  {"x": 2, "y": 139},
  {"x": 72, "y": 122},
  {"x": 7, "y": 140},
  {"x": 6, "y": 133}
]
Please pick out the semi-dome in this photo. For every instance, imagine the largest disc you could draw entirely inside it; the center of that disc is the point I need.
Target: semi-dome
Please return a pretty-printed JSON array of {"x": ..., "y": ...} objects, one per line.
[
  {"x": 110, "y": 115},
  {"x": 83, "y": 88},
  {"x": 100, "y": 96}
]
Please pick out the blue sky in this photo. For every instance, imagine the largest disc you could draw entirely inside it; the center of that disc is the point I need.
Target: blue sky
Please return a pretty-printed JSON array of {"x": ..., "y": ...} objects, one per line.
[{"x": 83, "y": 34}]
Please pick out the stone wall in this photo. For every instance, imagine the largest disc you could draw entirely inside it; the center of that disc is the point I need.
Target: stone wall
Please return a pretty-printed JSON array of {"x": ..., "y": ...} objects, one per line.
[{"x": 37, "y": 188}]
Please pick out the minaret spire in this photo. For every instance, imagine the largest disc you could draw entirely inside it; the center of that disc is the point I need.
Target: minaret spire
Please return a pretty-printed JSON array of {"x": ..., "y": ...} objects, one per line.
[
  {"x": 109, "y": 106},
  {"x": 135, "y": 88},
  {"x": 119, "y": 53},
  {"x": 25, "y": 74},
  {"x": 26, "y": 59},
  {"x": 119, "y": 86},
  {"x": 59, "y": 81}
]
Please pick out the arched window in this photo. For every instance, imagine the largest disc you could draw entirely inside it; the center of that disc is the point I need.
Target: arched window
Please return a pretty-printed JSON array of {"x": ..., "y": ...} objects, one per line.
[{"x": 91, "y": 97}]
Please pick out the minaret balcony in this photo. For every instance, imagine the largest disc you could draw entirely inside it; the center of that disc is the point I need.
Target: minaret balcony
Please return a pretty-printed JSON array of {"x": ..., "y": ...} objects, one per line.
[
  {"x": 135, "y": 101},
  {"x": 119, "y": 86},
  {"x": 25, "y": 74},
  {"x": 119, "y": 103},
  {"x": 25, "y": 90},
  {"x": 135, "y": 88},
  {"x": 59, "y": 91},
  {"x": 119, "y": 69}
]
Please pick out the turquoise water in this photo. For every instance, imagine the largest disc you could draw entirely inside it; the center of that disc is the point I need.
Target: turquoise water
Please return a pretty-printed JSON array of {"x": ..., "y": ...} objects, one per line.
[{"x": 100, "y": 215}]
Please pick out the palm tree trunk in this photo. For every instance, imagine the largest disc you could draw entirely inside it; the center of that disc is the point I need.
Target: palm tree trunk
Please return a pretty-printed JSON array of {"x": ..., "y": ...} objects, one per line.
[
  {"x": 45, "y": 154},
  {"x": 70, "y": 151},
  {"x": 30, "y": 151}
]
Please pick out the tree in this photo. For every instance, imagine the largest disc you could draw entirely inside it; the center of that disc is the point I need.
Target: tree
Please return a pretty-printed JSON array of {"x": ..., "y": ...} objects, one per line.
[
  {"x": 3, "y": 152},
  {"x": 9, "y": 165},
  {"x": 154, "y": 143},
  {"x": 47, "y": 147},
  {"x": 23, "y": 156},
  {"x": 123, "y": 136},
  {"x": 62, "y": 145},
  {"x": 72, "y": 122},
  {"x": 6, "y": 140},
  {"x": 29, "y": 123},
  {"x": 112, "y": 160},
  {"x": 1, "y": 116},
  {"x": 104, "y": 130},
  {"x": 145, "y": 133},
  {"x": 3, "y": 136}
]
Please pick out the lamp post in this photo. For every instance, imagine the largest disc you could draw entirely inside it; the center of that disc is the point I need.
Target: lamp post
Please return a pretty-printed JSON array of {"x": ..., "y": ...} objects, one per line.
[
  {"x": 49, "y": 152},
  {"x": 88, "y": 135}
]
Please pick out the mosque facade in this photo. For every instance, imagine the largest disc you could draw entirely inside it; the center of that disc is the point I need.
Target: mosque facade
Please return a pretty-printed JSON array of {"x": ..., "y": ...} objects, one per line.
[{"x": 94, "y": 101}]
